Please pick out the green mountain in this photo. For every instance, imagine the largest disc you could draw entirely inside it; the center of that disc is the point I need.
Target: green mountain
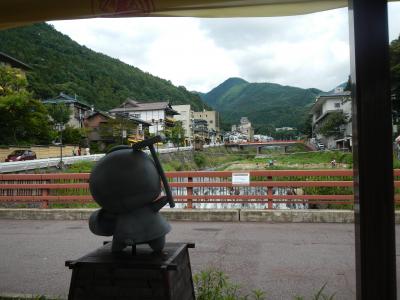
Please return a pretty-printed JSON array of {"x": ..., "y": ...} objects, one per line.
[
  {"x": 265, "y": 104},
  {"x": 61, "y": 65}
]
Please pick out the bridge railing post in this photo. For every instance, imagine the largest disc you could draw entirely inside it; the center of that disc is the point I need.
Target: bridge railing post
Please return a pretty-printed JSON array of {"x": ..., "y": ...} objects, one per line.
[
  {"x": 45, "y": 192},
  {"x": 269, "y": 194},
  {"x": 189, "y": 192}
]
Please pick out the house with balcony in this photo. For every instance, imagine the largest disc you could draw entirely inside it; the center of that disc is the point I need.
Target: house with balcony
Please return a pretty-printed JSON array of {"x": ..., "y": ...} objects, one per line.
[
  {"x": 212, "y": 118},
  {"x": 200, "y": 131},
  {"x": 104, "y": 129},
  {"x": 79, "y": 110},
  {"x": 159, "y": 114},
  {"x": 336, "y": 101}
]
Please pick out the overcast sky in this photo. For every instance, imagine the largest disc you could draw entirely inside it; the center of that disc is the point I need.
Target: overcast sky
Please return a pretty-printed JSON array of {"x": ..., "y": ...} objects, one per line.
[{"x": 304, "y": 51}]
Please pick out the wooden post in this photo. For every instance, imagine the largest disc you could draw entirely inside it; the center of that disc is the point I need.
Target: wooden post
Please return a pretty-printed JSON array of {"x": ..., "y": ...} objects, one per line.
[
  {"x": 189, "y": 191},
  {"x": 45, "y": 192},
  {"x": 373, "y": 162},
  {"x": 45, "y": 203},
  {"x": 270, "y": 200}
]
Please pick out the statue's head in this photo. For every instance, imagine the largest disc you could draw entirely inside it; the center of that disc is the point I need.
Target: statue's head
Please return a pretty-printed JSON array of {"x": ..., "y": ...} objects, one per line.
[{"x": 124, "y": 180}]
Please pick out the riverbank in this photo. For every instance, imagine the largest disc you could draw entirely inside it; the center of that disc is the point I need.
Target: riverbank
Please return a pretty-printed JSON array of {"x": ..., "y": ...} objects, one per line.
[{"x": 209, "y": 158}]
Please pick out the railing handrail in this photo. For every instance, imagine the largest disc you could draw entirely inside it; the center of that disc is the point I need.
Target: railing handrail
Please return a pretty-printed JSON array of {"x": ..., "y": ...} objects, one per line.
[{"x": 194, "y": 187}]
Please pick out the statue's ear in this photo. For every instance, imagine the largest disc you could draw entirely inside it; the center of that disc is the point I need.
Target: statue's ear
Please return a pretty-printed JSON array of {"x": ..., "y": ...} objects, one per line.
[{"x": 102, "y": 222}]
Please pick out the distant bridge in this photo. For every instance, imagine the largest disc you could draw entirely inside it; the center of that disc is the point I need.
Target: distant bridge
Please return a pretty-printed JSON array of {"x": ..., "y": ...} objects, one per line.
[{"x": 260, "y": 145}]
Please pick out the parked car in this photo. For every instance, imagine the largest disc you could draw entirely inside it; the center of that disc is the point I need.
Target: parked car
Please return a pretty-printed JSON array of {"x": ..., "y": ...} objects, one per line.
[
  {"x": 20, "y": 155},
  {"x": 321, "y": 146}
]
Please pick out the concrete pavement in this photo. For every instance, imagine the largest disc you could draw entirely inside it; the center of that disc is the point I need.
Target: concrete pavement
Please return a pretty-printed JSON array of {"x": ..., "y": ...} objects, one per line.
[{"x": 282, "y": 259}]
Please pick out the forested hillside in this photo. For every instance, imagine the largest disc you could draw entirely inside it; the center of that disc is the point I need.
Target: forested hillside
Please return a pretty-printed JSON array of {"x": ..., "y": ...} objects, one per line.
[
  {"x": 61, "y": 65},
  {"x": 265, "y": 104}
]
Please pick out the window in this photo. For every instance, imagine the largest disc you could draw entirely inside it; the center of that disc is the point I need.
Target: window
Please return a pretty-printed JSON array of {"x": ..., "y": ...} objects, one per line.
[
  {"x": 337, "y": 105},
  {"x": 135, "y": 115}
]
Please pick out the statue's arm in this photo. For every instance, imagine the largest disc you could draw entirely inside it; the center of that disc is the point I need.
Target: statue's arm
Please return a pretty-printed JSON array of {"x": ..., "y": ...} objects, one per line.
[
  {"x": 159, "y": 203},
  {"x": 102, "y": 222}
]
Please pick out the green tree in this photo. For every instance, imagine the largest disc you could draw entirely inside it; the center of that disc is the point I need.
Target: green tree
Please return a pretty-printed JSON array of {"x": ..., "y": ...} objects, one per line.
[
  {"x": 11, "y": 81},
  {"x": 113, "y": 129},
  {"x": 305, "y": 127},
  {"x": 176, "y": 134},
  {"x": 332, "y": 124},
  {"x": 73, "y": 135},
  {"x": 60, "y": 113},
  {"x": 23, "y": 120}
]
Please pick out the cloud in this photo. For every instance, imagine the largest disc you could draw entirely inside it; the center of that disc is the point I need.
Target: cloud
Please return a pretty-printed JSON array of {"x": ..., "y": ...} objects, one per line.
[
  {"x": 297, "y": 51},
  {"x": 305, "y": 51},
  {"x": 175, "y": 49}
]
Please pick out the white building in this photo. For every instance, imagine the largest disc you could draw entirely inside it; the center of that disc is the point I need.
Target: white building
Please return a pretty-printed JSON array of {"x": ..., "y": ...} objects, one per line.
[
  {"x": 159, "y": 114},
  {"x": 186, "y": 117},
  {"x": 326, "y": 104},
  {"x": 246, "y": 129}
]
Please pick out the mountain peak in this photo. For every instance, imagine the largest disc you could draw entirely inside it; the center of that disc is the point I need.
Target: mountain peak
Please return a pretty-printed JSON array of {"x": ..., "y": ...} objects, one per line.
[
  {"x": 235, "y": 80},
  {"x": 262, "y": 102}
]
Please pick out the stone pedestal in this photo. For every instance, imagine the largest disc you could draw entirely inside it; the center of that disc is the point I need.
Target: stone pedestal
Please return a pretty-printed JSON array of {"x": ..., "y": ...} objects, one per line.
[{"x": 144, "y": 275}]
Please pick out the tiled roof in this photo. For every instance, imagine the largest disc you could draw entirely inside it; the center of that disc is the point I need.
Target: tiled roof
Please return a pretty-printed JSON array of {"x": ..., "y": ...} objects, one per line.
[
  {"x": 333, "y": 94},
  {"x": 14, "y": 62},
  {"x": 97, "y": 112},
  {"x": 323, "y": 97},
  {"x": 64, "y": 98},
  {"x": 132, "y": 105}
]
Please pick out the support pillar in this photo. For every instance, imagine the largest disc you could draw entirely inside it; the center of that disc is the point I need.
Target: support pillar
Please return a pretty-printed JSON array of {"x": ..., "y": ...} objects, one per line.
[{"x": 373, "y": 163}]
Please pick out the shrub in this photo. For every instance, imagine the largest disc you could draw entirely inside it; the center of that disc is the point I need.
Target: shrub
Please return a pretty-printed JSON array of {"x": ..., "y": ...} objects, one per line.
[
  {"x": 212, "y": 284},
  {"x": 199, "y": 159}
]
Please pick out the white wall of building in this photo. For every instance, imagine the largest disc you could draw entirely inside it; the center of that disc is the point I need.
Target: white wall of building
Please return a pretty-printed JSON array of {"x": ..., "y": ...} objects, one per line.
[
  {"x": 150, "y": 116},
  {"x": 185, "y": 116},
  {"x": 330, "y": 105}
]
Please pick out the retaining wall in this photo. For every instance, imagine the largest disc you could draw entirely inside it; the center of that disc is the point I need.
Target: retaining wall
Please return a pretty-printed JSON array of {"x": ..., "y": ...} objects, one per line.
[
  {"x": 41, "y": 151},
  {"x": 200, "y": 215}
]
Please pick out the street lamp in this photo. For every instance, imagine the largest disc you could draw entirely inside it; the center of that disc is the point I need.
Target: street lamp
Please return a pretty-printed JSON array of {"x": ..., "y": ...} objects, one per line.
[{"x": 60, "y": 128}]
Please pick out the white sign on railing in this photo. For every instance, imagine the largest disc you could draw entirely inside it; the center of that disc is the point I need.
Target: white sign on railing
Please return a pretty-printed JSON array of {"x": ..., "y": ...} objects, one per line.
[{"x": 240, "y": 178}]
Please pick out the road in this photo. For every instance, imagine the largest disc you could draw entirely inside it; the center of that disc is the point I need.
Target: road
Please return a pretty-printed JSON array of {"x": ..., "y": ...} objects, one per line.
[
  {"x": 282, "y": 259},
  {"x": 11, "y": 167}
]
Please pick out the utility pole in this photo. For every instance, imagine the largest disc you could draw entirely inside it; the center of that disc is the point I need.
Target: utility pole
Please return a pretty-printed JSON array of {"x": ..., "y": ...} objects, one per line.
[{"x": 60, "y": 127}]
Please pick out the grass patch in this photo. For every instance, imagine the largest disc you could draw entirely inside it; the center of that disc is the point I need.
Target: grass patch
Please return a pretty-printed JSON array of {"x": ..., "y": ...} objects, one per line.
[
  {"x": 304, "y": 158},
  {"x": 80, "y": 167},
  {"x": 212, "y": 284}
]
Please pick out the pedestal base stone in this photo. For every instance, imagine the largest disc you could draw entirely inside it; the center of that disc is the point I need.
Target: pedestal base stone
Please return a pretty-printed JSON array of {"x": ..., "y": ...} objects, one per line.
[{"x": 104, "y": 275}]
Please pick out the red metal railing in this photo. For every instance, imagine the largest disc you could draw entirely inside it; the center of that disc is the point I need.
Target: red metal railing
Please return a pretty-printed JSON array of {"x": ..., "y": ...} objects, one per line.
[{"x": 266, "y": 189}]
